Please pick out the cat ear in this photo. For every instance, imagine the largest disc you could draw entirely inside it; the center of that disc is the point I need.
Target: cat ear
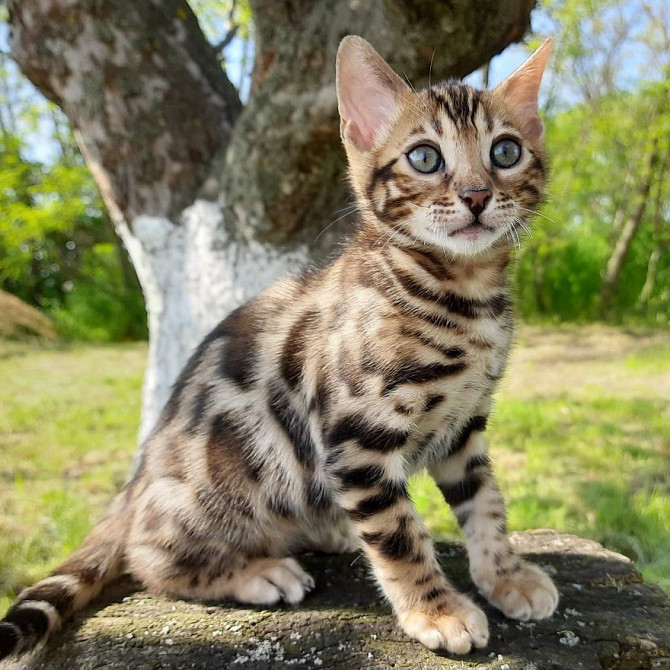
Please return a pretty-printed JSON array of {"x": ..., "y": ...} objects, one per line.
[
  {"x": 368, "y": 92},
  {"x": 521, "y": 88}
]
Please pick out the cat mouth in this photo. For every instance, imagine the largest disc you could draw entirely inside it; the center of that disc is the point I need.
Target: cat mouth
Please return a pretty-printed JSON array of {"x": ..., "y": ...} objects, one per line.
[{"x": 473, "y": 229}]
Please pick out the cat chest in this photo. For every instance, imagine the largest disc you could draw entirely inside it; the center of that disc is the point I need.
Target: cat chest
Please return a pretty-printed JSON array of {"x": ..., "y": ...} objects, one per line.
[{"x": 437, "y": 409}]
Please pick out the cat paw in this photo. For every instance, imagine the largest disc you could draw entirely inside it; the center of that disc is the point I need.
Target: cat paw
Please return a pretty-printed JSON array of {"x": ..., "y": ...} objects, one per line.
[
  {"x": 527, "y": 593},
  {"x": 269, "y": 580},
  {"x": 457, "y": 630}
]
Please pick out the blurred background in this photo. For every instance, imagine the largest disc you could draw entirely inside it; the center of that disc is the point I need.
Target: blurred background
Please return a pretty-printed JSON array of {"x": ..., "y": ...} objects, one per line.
[{"x": 581, "y": 435}]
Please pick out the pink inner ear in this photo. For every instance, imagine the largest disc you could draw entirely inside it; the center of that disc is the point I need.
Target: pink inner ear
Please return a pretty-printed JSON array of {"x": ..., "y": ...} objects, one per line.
[
  {"x": 520, "y": 90},
  {"x": 365, "y": 109},
  {"x": 367, "y": 92},
  {"x": 521, "y": 95}
]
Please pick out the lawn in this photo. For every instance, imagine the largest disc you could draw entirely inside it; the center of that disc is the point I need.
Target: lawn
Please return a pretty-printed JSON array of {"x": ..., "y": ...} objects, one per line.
[{"x": 580, "y": 440}]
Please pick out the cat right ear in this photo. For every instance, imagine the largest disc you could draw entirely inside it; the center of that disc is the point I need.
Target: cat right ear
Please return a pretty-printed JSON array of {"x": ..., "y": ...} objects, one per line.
[{"x": 368, "y": 93}]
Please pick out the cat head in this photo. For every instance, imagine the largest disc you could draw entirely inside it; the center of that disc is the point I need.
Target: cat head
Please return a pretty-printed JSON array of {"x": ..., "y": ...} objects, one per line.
[{"x": 450, "y": 166}]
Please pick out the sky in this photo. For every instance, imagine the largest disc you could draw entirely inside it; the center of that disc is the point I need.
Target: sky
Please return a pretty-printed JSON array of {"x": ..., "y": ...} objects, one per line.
[{"x": 43, "y": 148}]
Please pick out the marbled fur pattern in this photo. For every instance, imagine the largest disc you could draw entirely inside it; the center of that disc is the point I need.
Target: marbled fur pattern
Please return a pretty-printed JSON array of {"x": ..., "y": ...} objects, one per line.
[{"x": 297, "y": 422}]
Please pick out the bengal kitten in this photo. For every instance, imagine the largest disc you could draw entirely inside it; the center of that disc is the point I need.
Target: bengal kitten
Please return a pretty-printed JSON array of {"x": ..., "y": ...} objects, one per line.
[{"x": 298, "y": 420}]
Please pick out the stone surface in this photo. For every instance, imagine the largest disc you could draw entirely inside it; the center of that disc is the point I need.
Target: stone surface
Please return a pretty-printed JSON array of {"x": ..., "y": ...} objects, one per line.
[{"x": 607, "y": 618}]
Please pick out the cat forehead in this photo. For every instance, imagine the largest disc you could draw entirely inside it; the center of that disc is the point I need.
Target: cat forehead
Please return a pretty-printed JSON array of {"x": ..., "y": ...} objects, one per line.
[{"x": 454, "y": 110}]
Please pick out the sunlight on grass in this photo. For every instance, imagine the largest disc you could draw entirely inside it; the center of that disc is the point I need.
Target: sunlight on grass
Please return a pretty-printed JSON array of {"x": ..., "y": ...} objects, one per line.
[
  {"x": 583, "y": 463},
  {"x": 68, "y": 426},
  {"x": 575, "y": 443}
]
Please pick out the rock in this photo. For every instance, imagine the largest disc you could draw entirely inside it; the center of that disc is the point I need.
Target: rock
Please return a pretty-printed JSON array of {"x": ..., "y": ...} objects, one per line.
[{"x": 607, "y": 619}]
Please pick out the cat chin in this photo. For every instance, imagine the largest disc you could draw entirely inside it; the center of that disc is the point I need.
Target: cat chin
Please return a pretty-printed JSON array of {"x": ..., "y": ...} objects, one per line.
[{"x": 468, "y": 242}]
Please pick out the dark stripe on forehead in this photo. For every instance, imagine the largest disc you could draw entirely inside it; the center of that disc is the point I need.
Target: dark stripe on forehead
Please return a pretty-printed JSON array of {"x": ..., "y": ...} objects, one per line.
[{"x": 460, "y": 103}]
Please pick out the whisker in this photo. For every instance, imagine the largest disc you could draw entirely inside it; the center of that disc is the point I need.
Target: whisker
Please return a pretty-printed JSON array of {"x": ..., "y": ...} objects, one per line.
[
  {"x": 339, "y": 218},
  {"x": 533, "y": 211}
]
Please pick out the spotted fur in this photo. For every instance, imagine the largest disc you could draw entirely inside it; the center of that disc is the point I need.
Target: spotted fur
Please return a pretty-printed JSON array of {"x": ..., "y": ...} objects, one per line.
[{"x": 298, "y": 420}]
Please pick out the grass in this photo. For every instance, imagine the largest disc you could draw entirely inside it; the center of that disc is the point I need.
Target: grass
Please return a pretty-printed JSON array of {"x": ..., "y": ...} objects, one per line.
[{"x": 580, "y": 441}]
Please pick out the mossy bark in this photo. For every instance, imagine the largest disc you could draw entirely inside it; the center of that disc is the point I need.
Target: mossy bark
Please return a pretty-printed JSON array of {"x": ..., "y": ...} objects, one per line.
[{"x": 607, "y": 618}]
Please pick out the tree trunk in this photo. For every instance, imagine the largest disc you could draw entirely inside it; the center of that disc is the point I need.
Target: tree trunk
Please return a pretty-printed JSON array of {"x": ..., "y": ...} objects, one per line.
[
  {"x": 213, "y": 201},
  {"x": 610, "y": 283},
  {"x": 660, "y": 241}
]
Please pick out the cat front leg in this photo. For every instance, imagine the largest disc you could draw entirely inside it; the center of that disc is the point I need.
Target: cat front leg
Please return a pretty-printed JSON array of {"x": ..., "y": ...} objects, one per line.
[
  {"x": 401, "y": 554},
  {"x": 517, "y": 588}
]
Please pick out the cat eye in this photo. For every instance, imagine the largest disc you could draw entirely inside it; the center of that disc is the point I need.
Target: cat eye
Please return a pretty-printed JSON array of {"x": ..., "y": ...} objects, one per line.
[
  {"x": 425, "y": 159},
  {"x": 505, "y": 153}
]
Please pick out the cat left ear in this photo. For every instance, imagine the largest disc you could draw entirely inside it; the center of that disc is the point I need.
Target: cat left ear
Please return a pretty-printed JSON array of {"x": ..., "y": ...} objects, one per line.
[
  {"x": 520, "y": 90},
  {"x": 368, "y": 92}
]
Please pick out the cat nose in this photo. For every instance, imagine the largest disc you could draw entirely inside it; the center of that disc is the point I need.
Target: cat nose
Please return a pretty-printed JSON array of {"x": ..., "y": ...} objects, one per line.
[{"x": 476, "y": 199}]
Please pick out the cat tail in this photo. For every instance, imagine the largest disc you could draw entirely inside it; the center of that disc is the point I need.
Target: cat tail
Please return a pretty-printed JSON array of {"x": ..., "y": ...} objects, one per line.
[{"x": 40, "y": 609}]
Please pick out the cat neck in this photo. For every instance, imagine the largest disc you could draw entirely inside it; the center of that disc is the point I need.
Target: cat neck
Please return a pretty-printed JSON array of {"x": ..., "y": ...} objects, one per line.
[{"x": 487, "y": 269}]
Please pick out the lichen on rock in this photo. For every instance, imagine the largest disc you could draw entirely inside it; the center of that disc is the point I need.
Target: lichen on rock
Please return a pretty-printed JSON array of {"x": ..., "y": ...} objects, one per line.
[{"x": 607, "y": 618}]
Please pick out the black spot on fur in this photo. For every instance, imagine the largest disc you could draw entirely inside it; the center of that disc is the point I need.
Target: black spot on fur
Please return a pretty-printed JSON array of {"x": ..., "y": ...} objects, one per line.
[
  {"x": 10, "y": 636},
  {"x": 475, "y": 423},
  {"x": 387, "y": 497},
  {"x": 190, "y": 561},
  {"x": 368, "y": 436},
  {"x": 478, "y": 461},
  {"x": 434, "y": 593},
  {"x": 460, "y": 492},
  {"x": 462, "y": 517},
  {"x": 293, "y": 353},
  {"x": 432, "y": 401},
  {"x": 363, "y": 478},
  {"x": 198, "y": 410},
  {"x": 32, "y": 622},
  {"x": 412, "y": 372},
  {"x": 294, "y": 426},
  {"x": 396, "y": 545},
  {"x": 240, "y": 353},
  {"x": 228, "y": 446},
  {"x": 425, "y": 579}
]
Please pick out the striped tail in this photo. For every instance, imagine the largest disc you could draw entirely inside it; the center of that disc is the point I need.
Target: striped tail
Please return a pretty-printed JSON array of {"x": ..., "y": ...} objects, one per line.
[{"x": 40, "y": 609}]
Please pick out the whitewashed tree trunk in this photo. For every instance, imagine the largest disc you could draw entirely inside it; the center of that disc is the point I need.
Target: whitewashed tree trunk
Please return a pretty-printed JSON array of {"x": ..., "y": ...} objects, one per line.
[
  {"x": 211, "y": 200},
  {"x": 192, "y": 275}
]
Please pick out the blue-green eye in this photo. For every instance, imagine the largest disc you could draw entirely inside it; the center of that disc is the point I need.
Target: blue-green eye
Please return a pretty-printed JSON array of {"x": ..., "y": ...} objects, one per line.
[
  {"x": 505, "y": 153},
  {"x": 425, "y": 159}
]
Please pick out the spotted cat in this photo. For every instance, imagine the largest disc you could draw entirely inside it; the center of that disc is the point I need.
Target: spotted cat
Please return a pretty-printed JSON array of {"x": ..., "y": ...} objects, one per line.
[{"x": 296, "y": 423}]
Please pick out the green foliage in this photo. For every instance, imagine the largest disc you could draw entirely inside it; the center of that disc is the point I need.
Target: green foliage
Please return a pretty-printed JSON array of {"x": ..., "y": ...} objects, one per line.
[
  {"x": 102, "y": 307},
  {"x": 56, "y": 250},
  {"x": 599, "y": 153}
]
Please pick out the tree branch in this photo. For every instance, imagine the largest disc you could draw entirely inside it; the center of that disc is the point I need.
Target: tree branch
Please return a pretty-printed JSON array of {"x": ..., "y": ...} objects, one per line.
[{"x": 149, "y": 101}]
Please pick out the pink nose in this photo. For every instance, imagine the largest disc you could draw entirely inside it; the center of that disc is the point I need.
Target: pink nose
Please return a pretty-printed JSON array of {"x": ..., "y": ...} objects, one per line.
[{"x": 476, "y": 199}]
